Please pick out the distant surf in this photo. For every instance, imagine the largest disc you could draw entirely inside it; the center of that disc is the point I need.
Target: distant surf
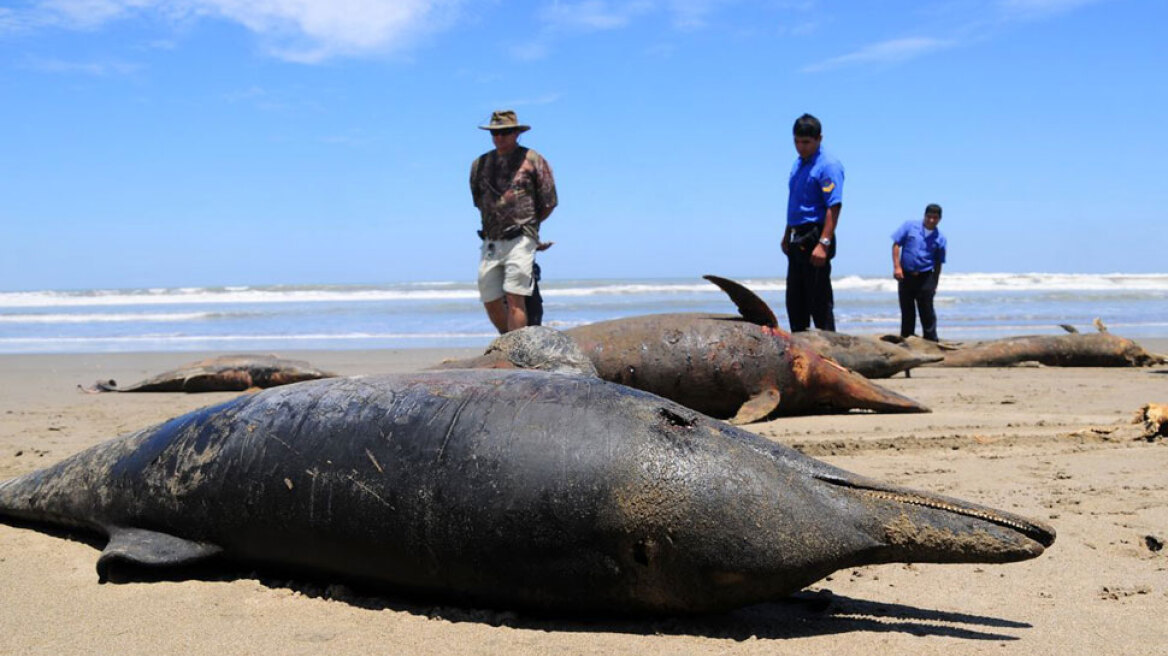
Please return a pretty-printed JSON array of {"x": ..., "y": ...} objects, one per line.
[{"x": 448, "y": 314}]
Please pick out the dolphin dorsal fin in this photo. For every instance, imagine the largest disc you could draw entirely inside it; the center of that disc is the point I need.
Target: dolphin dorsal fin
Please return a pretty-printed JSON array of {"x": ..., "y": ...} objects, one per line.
[{"x": 750, "y": 306}]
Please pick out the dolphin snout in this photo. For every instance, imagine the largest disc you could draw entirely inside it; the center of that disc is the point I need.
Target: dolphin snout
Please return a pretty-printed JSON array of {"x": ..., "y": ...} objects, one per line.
[
  {"x": 913, "y": 525},
  {"x": 844, "y": 388}
]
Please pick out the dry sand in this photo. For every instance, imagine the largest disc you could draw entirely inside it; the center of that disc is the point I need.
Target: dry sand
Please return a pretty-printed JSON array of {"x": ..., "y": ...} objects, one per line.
[{"x": 1054, "y": 444}]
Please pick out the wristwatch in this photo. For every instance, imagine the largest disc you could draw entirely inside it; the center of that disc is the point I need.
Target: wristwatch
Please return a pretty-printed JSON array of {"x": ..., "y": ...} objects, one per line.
[{"x": 825, "y": 241}]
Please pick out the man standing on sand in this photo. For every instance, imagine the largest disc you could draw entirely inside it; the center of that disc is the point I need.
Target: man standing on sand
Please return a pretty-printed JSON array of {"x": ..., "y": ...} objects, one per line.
[
  {"x": 815, "y": 197},
  {"x": 515, "y": 192},
  {"x": 918, "y": 251}
]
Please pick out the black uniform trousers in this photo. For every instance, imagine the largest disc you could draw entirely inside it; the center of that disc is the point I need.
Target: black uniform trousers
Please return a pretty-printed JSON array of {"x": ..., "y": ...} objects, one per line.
[
  {"x": 916, "y": 291},
  {"x": 809, "y": 295},
  {"x": 535, "y": 301}
]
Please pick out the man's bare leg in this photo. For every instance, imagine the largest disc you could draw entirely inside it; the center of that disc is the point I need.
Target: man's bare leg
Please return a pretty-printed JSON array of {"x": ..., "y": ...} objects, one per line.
[
  {"x": 498, "y": 314},
  {"x": 516, "y": 312}
]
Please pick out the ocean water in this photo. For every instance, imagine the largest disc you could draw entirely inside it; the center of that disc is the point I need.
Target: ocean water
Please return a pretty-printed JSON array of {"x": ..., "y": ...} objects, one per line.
[{"x": 448, "y": 314}]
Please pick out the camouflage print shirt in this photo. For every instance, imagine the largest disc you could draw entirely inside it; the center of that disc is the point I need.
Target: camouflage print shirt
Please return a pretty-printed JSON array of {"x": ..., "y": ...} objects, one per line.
[{"x": 512, "y": 190}]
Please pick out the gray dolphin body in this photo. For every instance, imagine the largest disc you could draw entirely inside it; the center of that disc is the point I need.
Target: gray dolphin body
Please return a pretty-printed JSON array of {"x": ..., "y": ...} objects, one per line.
[
  {"x": 228, "y": 373},
  {"x": 870, "y": 357},
  {"x": 533, "y": 347},
  {"x": 506, "y": 488},
  {"x": 743, "y": 367}
]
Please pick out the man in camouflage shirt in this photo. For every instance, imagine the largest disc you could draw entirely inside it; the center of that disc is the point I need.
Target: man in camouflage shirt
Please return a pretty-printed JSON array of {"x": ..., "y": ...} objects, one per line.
[{"x": 515, "y": 192}]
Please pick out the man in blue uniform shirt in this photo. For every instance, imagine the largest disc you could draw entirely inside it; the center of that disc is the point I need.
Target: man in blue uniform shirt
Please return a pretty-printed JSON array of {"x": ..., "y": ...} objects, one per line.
[
  {"x": 918, "y": 251},
  {"x": 815, "y": 197}
]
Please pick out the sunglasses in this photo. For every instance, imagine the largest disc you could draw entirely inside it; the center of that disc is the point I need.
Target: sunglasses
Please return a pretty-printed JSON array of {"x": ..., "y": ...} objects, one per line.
[{"x": 503, "y": 133}]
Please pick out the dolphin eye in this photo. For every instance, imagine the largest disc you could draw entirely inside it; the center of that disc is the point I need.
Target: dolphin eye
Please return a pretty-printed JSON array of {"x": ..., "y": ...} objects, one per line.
[{"x": 675, "y": 419}]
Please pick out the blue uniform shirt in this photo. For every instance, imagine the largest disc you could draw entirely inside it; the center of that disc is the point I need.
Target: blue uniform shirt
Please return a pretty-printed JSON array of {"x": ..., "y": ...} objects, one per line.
[
  {"x": 815, "y": 185},
  {"x": 919, "y": 252}
]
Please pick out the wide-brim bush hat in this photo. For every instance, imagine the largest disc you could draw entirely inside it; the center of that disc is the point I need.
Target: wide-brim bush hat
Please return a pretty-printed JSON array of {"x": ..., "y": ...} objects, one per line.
[{"x": 505, "y": 119}]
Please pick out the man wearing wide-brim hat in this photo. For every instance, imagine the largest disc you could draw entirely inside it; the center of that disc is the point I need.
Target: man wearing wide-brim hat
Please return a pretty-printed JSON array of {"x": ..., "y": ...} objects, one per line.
[{"x": 515, "y": 192}]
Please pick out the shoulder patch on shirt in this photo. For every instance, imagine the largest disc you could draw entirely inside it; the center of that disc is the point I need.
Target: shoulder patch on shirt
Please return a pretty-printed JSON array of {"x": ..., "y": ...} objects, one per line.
[{"x": 829, "y": 187}]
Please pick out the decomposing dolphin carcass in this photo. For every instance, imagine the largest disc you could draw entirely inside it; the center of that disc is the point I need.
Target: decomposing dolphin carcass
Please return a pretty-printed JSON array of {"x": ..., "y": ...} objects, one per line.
[
  {"x": 741, "y": 367},
  {"x": 228, "y": 373},
  {"x": 869, "y": 356},
  {"x": 1074, "y": 349}
]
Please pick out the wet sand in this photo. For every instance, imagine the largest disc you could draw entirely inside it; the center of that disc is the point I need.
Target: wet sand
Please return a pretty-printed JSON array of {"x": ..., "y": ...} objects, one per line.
[{"x": 1055, "y": 444}]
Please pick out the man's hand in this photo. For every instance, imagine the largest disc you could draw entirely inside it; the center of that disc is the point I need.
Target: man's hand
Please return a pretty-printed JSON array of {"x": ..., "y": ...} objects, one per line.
[
  {"x": 819, "y": 255},
  {"x": 898, "y": 273}
]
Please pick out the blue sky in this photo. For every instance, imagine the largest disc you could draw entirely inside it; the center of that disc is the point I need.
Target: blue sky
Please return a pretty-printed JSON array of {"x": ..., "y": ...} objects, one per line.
[{"x": 205, "y": 142}]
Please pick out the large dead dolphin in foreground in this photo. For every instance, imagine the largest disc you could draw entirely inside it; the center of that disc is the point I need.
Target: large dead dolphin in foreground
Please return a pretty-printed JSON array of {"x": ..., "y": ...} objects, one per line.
[
  {"x": 228, "y": 373},
  {"x": 505, "y": 488},
  {"x": 869, "y": 356},
  {"x": 740, "y": 367},
  {"x": 1075, "y": 349}
]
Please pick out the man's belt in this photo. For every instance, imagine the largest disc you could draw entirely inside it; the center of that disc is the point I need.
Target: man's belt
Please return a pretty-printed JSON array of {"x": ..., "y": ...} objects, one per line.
[{"x": 511, "y": 232}]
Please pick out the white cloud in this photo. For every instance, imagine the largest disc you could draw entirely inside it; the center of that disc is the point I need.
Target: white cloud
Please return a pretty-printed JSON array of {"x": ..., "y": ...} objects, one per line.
[
  {"x": 94, "y": 68},
  {"x": 91, "y": 13},
  {"x": 1040, "y": 8},
  {"x": 592, "y": 15},
  {"x": 296, "y": 30},
  {"x": 598, "y": 15},
  {"x": 604, "y": 15},
  {"x": 1001, "y": 16},
  {"x": 691, "y": 14},
  {"x": 885, "y": 52}
]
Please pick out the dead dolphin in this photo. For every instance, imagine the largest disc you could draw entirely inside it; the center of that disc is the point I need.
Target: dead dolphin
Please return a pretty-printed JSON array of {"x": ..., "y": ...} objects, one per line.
[
  {"x": 505, "y": 488},
  {"x": 1101, "y": 349},
  {"x": 533, "y": 347},
  {"x": 740, "y": 367},
  {"x": 228, "y": 373},
  {"x": 871, "y": 357}
]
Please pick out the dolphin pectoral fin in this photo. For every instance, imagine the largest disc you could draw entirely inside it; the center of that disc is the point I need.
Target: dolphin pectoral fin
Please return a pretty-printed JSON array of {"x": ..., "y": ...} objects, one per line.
[
  {"x": 100, "y": 386},
  {"x": 144, "y": 548},
  {"x": 758, "y": 407}
]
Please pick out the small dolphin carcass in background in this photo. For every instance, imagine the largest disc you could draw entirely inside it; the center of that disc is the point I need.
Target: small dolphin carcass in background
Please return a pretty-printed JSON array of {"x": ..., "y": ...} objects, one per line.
[
  {"x": 554, "y": 492},
  {"x": 870, "y": 356},
  {"x": 228, "y": 373},
  {"x": 1074, "y": 349},
  {"x": 741, "y": 367}
]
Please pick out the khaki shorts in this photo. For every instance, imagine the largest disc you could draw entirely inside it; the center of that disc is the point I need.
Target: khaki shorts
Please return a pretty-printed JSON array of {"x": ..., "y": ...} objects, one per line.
[{"x": 505, "y": 267}]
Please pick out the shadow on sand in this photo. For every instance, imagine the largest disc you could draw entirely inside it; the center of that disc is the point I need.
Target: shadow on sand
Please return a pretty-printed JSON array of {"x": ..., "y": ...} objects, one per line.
[{"x": 804, "y": 614}]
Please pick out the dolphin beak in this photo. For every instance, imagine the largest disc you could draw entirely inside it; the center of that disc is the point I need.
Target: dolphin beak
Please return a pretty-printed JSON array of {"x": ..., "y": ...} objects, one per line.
[
  {"x": 843, "y": 388},
  {"x": 909, "y": 525}
]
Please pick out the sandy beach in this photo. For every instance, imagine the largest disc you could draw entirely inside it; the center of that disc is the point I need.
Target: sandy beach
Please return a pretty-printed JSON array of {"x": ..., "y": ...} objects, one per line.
[{"x": 1054, "y": 444}]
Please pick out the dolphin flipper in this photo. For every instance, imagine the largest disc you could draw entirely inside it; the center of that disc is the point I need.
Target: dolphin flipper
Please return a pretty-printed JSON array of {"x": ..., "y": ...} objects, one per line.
[
  {"x": 145, "y": 548},
  {"x": 758, "y": 407},
  {"x": 100, "y": 386},
  {"x": 750, "y": 306}
]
